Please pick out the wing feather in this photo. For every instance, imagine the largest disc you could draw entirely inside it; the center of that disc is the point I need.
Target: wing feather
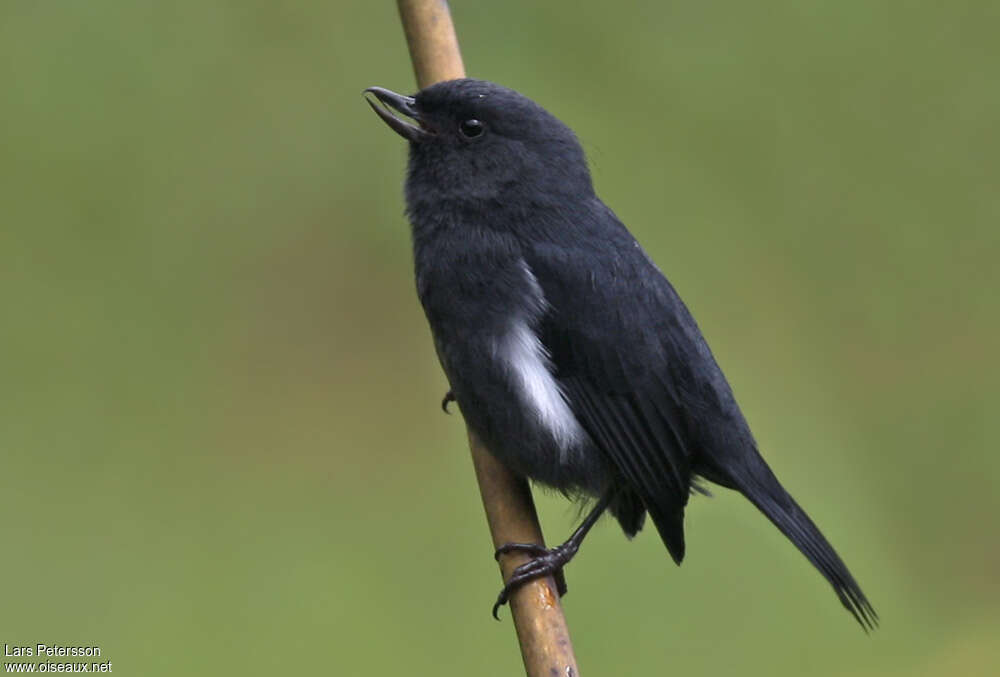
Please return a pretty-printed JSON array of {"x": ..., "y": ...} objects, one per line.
[{"x": 612, "y": 333}]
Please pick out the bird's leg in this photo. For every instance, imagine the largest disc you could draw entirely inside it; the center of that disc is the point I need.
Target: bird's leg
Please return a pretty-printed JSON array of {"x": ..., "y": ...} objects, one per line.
[
  {"x": 547, "y": 561},
  {"x": 449, "y": 397}
]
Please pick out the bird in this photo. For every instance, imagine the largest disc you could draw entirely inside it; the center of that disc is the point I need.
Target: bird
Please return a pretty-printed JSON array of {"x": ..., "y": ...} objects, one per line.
[{"x": 567, "y": 350}]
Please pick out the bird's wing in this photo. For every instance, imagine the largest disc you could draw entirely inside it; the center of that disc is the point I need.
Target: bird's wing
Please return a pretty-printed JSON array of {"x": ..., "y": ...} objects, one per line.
[
  {"x": 644, "y": 385},
  {"x": 625, "y": 351}
]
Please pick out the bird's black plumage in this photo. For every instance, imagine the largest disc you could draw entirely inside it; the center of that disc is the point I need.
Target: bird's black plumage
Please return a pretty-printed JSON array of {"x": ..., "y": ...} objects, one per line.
[{"x": 567, "y": 350}]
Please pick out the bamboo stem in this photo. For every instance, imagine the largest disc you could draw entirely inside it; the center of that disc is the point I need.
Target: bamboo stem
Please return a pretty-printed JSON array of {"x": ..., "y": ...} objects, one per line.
[
  {"x": 510, "y": 510},
  {"x": 538, "y": 616}
]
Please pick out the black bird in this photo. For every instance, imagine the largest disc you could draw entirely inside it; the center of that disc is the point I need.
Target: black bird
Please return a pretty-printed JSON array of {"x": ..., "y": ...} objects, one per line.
[{"x": 568, "y": 352}]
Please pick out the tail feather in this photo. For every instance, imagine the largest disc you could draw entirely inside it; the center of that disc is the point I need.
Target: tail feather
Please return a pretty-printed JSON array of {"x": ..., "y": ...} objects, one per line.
[{"x": 762, "y": 488}]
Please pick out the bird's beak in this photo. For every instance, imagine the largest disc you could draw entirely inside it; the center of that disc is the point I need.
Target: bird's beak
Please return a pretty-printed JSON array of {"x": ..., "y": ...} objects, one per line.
[{"x": 402, "y": 104}]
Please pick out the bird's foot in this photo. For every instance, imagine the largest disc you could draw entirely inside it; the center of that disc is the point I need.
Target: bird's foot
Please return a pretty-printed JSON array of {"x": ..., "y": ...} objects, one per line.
[
  {"x": 449, "y": 397},
  {"x": 545, "y": 562}
]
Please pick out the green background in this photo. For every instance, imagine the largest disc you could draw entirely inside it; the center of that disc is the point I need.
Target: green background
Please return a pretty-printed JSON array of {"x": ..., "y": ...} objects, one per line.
[{"x": 220, "y": 444}]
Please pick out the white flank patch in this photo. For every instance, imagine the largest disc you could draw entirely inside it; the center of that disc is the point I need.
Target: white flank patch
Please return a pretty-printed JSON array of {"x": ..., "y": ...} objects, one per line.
[{"x": 529, "y": 363}]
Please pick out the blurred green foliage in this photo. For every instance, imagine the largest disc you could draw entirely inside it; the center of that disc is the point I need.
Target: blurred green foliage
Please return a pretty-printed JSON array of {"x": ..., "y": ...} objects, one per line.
[{"x": 220, "y": 444}]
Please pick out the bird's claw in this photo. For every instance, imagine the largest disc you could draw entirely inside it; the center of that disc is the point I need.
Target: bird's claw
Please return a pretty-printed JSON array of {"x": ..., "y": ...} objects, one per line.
[
  {"x": 449, "y": 397},
  {"x": 530, "y": 548},
  {"x": 545, "y": 562}
]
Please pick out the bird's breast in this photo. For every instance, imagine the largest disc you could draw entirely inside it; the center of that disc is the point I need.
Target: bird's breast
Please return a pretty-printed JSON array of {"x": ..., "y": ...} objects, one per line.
[{"x": 484, "y": 307}]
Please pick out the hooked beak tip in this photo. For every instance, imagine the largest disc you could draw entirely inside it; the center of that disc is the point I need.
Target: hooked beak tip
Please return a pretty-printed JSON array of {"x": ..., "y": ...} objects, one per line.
[{"x": 406, "y": 105}]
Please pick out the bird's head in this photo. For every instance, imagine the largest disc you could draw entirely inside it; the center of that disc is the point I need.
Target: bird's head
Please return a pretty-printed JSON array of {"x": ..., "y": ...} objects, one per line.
[{"x": 476, "y": 143}]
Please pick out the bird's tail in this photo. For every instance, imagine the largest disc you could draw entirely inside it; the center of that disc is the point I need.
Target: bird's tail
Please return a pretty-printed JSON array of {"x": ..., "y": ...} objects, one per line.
[{"x": 762, "y": 488}]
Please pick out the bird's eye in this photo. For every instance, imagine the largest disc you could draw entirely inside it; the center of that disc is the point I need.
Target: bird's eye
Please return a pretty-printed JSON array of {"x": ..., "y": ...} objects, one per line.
[{"x": 471, "y": 128}]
